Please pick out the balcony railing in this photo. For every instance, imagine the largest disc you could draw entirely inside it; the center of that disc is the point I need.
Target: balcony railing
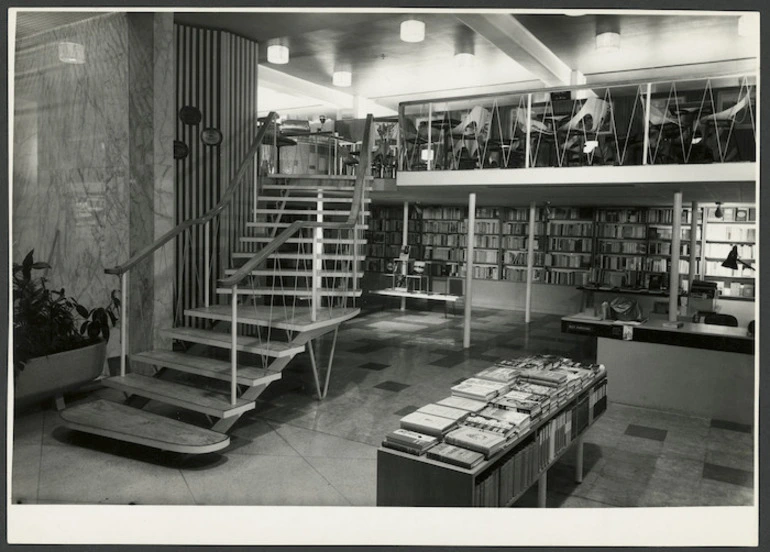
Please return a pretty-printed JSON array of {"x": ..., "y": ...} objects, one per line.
[{"x": 706, "y": 120}]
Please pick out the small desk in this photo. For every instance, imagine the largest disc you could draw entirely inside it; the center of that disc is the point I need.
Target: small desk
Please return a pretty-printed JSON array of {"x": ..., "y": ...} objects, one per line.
[
  {"x": 390, "y": 292},
  {"x": 697, "y": 369}
]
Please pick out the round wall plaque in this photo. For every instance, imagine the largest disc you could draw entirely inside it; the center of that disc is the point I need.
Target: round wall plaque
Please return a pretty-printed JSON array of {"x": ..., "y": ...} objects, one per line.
[
  {"x": 190, "y": 115},
  {"x": 211, "y": 136},
  {"x": 180, "y": 150}
]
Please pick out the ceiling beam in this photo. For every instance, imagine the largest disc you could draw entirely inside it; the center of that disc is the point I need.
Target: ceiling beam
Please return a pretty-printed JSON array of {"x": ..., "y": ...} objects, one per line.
[{"x": 516, "y": 41}]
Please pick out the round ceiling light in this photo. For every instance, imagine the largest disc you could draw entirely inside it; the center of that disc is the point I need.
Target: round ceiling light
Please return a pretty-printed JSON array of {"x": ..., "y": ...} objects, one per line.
[
  {"x": 608, "y": 42},
  {"x": 412, "y": 30},
  {"x": 464, "y": 60},
  {"x": 342, "y": 78},
  {"x": 278, "y": 54}
]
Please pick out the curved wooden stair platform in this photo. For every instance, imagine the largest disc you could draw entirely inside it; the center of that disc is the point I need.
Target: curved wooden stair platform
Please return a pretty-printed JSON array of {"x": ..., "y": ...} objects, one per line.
[{"x": 122, "y": 422}]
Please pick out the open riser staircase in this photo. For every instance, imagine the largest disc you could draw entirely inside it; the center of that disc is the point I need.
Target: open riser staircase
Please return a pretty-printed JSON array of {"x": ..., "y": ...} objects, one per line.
[{"x": 293, "y": 277}]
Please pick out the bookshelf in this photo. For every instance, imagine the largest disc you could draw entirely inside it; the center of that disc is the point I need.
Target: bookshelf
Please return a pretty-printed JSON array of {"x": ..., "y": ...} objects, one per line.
[
  {"x": 404, "y": 479},
  {"x": 736, "y": 227},
  {"x": 385, "y": 235}
]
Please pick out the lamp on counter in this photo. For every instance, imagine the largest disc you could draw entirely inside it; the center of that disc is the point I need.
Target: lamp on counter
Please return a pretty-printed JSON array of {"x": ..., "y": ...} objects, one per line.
[{"x": 732, "y": 260}]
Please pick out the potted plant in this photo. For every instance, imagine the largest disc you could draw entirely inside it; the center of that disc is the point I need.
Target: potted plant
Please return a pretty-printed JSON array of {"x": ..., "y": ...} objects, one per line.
[{"x": 58, "y": 344}]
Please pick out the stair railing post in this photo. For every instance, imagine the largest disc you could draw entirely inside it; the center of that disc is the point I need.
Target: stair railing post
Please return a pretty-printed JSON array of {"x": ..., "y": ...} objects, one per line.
[
  {"x": 207, "y": 263},
  {"x": 233, "y": 350},
  {"x": 317, "y": 262},
  {"x": 123, "y": 322}
]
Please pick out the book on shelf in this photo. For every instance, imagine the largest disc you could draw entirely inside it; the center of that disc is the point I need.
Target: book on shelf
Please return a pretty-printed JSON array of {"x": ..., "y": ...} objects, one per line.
[
  {"x": 479, "y": 389},
  {"x": 427, "y": 423},
  {"x": 479, "y": 440},
  {"x": 411, "y": 439},
  {"x": 458, "y": 456},
  {"x": 463, "y": 403},
  {"x": 456, "y": 414}
]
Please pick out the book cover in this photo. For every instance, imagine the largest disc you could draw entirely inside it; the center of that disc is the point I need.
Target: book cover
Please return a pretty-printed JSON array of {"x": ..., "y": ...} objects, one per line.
[
  {"x": 520, "y": 420},
  {"x": 494, "y": 425},
  {"x": 463, "y": 403},
  {"x": 411, "y": 438},
  {"x": 448, "y": 412},
  {"x": 405, "y": 448},
  {"x": 427, "y": 423},
  {"x": 476, "y": 388},
  {"x": 476, "y": 439},
  {"x": 503, "y": 374},
  {"x": 453, "y": 454}
]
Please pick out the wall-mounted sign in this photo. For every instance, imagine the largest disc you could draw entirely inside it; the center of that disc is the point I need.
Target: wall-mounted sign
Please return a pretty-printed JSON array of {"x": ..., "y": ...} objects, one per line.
[{"x": 211, "y": 136}]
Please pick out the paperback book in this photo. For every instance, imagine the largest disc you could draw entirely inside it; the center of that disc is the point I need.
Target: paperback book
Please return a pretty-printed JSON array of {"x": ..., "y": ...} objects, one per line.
[
  {"x": 485, "y": 442},
  {"x": 427, "y": 423},
  {"x": 465, "y": 404},
  {"x": 444, "y": 411},
  {"x": 411, "y": 439},
  {"x": 519, "y": 420},
  {"x": 503, "y": 374},
  {"x": 494, "y": 425},
  {"x": 479, "y": 389}
]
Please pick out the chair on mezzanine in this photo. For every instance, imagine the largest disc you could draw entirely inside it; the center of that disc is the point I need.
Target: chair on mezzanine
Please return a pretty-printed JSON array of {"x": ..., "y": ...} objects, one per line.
[
  {"x": 719, "y": 319},
  {"x": 717, "y": 130},
  {"x": 576, "y": 133}
]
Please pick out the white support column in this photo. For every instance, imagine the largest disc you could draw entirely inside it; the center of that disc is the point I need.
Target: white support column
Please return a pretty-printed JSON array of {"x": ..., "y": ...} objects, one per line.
[
  {"x": 404, "y": 243},
  {"x": 693, "y": 243},
  {"x": 647, "y": 123},
  {"x": 469, "y": 270},
  {"x": 542, "y": 489},
  {"x": 123, "y": 322},
  {"x": 430, "y": 137},
  {"x": 530, "y": 263},
  {"x": 676, "y": 237},
  {"x": 317, "y": 263}
]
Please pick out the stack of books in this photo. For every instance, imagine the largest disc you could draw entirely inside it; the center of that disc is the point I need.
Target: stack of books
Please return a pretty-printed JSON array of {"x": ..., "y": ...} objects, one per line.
[
  {"x": 520, "y": 401},
  {"x": 458, "y": 456},
  {"x": 519, "y": 420},
  {"x": 486, "y": 442},
  {"x": 462, "y": 403},
  {"x": 429, "y": 424},
  {"x": 494, "y": 425},
  {"x": 552, "y": 377},
  {"x": 479, "y": 389},
  {"x": 444, "y": 411},
  {"x": 409, "y": 441},
  {"x": 500, "y": 373}
]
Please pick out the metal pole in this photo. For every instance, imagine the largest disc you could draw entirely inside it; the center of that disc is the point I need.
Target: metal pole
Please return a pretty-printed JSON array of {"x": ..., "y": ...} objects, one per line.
[
  {"x": 542, "y": 486},
  {"x": 233, "y": 345},
  {"x": 404, "y": 243},
  {"x": 530, "y": 263},
  {"x": 207, "y": 264},
  {"x": 123, "y": 322},
  {"x": 693, "y": 244},
  {"x": 528, "y": 146},
  {"x": 430, "y": 144},
  {"x": 647, "y": 123},
  {"x": 676, "y": 236},
  {"x": 579, "y": 460},
  {"x": 469, "y": 270}
]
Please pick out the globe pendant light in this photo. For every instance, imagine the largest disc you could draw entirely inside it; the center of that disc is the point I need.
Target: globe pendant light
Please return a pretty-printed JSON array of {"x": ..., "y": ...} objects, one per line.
[
  {"x": 342, "y": 78},
  {"x": 412, "y": 30},
  {"x": 278, "y": 54}
]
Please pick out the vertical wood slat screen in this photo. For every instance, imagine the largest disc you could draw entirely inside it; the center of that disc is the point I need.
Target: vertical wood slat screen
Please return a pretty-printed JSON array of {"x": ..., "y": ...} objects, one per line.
[{"x": 217, "y": 73}]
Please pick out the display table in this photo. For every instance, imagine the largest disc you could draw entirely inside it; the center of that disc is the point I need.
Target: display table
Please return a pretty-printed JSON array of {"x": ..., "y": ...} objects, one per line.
[
  {"x": 697, "y": 369},
  {"x": 391, "y": 292}
]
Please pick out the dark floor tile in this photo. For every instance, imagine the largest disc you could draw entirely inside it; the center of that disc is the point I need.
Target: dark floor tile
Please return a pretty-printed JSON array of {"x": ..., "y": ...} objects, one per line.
[
  {"x": 732, "y": 426},
  {"x": 374, "y": 366},
  {"x": 449, "y": 361},
  {"x": 733, "y": 476},
  {"x": 406, "y": 410},
  {"x": 392, "y": 386},
  {"x": 646, "y": 432}
]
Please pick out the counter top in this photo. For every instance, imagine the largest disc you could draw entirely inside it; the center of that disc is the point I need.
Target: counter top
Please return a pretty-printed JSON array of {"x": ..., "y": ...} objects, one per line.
[{"x": 690, "y": 334}]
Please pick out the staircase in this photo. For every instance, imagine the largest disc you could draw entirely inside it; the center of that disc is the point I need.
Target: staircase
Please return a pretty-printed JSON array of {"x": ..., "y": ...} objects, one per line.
[{"x": 293, "y": 278}]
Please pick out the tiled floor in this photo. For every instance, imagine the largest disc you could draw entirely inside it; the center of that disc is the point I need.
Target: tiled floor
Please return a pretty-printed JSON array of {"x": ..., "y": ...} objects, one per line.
[{"x": 295, "y": 450}]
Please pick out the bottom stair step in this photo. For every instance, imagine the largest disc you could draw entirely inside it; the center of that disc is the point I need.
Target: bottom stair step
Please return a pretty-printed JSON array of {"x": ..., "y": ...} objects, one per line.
[
  {"x": 118, "y": 421},
  {"x": 209, "y": 367},
  {"x": 184, "y": 396}
]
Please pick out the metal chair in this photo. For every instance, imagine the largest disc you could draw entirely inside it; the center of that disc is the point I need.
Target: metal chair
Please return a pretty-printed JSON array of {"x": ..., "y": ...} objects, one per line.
[{"x": 718, "y": 319}]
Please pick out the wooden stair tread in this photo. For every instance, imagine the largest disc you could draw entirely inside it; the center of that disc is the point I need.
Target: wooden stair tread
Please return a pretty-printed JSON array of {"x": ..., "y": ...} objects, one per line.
[
  {"x": 271, "y": 224},
  {"x": 284, "y": 318},
  {"x": 337, "y": 177},
  {"x": 325, "y": 241},
  {"x": 309, "y": 199},
  {"x": 324, "y": 212},
  {"x": 184, "y": 396},
  {"x": 290, "y": 272},
  {"x": 118, "y": 421},
  {"x": 209, "y": 367},
  {"x": 300, "y": 292},
  {"x": 323, "y": 256},
  {"x": 343, "y": 188},
  {"x": 277, "y": 349}
]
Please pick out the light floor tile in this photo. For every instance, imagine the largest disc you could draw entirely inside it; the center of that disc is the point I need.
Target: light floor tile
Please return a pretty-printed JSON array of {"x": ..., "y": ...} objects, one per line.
[
  {"x": 25, "y": 473},
  {"x": 314, "y": 444},
  {"x": 355, "y": 479}
]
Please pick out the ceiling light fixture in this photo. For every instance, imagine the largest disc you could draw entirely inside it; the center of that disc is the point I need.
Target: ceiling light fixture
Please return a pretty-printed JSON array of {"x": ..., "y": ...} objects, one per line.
[
  {"x": 278, "y": 54},
  {"x": 608, "y": 42},
  {"x": 747, "y": 25},
  {"x": 464, "y": 60},
  {"x": 72, "y": 52},
  {"x": 718, "y": 213},
  {"x": 342, "y": 78},
  {"x": 412, "y": 30}
]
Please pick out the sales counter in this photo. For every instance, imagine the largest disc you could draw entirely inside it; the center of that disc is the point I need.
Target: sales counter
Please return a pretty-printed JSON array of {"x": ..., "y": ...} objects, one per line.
[{"x": 696, "y": 369}]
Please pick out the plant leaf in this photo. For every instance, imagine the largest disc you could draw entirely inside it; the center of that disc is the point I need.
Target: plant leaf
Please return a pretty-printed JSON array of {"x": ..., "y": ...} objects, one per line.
[
  {"x": 83, "y": 327},
  {"x": 40, "y": 265},
  {"x": 82, "y": 311},
  {"x": 106, "y": 332},
  {"x": 93, "y": 330},
  {"x": 113, "y": 318}
]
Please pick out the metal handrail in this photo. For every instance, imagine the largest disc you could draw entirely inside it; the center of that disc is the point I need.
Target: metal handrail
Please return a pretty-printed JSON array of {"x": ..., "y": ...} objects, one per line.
[
  {"x": 296, "y": 226},
  {"x": 210, "y": 214}
]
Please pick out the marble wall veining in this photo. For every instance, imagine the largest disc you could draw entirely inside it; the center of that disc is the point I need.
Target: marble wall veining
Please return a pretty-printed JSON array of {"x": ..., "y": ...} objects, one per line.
[{"x": 88, "y": 166}]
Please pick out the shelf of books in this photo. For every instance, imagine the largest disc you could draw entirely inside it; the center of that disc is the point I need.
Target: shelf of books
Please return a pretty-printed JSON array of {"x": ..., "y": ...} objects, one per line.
[
  {"x": 493, "y": 437},
  {"x": 385, "y": 235},
  {"x": 735, "y": 228}
]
